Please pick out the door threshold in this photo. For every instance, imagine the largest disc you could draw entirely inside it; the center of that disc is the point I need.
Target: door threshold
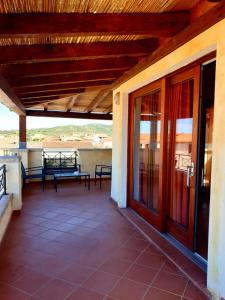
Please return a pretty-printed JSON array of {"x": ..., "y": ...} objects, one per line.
[
  {"x": 195, "y": 257},
  {"x": 188, "y": 265}
]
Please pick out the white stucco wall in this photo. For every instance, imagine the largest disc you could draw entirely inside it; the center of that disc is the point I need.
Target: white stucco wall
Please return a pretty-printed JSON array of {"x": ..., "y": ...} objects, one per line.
[
  {"x": 6, "y": 208},
  {"x": 88, "y": 158},
  {"x": 211, "y": 39}
]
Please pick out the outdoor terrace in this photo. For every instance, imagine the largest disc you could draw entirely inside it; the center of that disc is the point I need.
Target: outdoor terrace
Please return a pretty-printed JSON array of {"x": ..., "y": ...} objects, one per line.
[{"x": 75, "y": 244}]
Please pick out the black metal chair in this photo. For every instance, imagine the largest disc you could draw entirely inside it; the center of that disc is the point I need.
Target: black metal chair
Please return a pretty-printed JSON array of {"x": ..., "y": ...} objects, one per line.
[
  {"x": 32, "y": 173},
  {"x": 101, "y": 171}
]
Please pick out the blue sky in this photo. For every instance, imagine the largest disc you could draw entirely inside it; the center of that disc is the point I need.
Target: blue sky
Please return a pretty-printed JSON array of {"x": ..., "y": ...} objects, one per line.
[
  {"x": 183, "y": 126},
  {"x": 10, "y": 120}
]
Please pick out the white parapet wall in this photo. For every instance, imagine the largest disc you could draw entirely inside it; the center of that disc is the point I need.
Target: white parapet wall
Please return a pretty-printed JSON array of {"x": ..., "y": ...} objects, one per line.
[{"x": 6, "y": 208}]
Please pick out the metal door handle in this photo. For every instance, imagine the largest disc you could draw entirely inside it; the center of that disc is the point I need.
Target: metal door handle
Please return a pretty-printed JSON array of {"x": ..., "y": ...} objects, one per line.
[{"x": 190, "y": 173}]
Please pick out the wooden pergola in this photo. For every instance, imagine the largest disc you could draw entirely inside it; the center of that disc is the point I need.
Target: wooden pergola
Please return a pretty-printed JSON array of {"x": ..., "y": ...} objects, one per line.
[{"x": 64, "y": 58}]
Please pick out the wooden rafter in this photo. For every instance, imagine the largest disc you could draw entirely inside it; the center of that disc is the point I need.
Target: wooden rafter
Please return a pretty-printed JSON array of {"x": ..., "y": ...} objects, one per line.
[
  {"x": 53, "y": 93},
  {"x": 98, "y": 99},
  {"x": 77, "y": 24},
  {"x": 61, "y": 52},
  {"x": 67, "y": 67},
  {"x": 72, "y": 102},
  {"x": 41, "y": 102},
  {"x": 44, "y": 99},
  {"x": 9, "y": 98},
  {"x": 69, "y": 78},
  {"x": 61, "y": 86},
  {"x": 59, "y": 114},
  {"x": 214, "y": 15},
  {"x": 108, "y": 109}
]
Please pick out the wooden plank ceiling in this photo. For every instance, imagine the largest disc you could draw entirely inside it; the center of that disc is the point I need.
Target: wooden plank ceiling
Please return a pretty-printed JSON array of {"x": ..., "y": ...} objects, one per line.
[{"x": 66, "y": 56}]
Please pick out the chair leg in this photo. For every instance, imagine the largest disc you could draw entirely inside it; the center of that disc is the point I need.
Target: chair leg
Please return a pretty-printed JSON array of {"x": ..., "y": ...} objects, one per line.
[
  {"x": 100, "y": 181},
  {"x": 55, "y": 183},
  {"x": 43, "y": 185},
  {"x": 95, "y": 179}
]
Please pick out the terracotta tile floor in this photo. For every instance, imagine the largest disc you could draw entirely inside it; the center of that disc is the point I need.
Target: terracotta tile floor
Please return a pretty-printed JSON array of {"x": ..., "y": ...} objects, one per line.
[{"x": 75, "y": 245}]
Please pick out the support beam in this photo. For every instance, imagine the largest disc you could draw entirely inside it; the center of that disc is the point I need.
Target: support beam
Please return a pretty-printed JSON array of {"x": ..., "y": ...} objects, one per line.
[
  {"x": 108, "y": 109},
  {"x": 40, "y": 101},
  {"x": 60, "y": 86},
  {"x": 22, "y": 132},
  {"x": 54, "y": 93},
  {"x": 79, "y": 24},
  {"x": 61, "y": 52},
  {"x": 9, "y": 98},
  {"x": 200, "y": 9},
  {"x": 72, "y": 102},
  {"x": 57, "y": 79},
  {"x": 59, "y": 114},
  {"x": 98, "y": 99},
  {"x": 67, "y": 67}
]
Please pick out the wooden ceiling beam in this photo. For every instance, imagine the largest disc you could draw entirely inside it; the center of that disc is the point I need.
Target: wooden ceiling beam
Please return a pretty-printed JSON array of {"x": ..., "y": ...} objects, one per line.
[
  {"x": 59, "y": 114},
  {"x": 49, "y": 93},
  {"x": 98, "y": 99},
  {"x": 67, "y": 67},
  {"x": 61, "y": 86},
  {"x": 162, "y": 24},
  {"x": 211, "y": 17},
  {"x": 9, "y": 98},
  {"x": 61, "y": 52},
  {"x": 108, "y": 109},
  {"x": 201, "y": 8},
  {"x": 42, "y": 100},
  {"x": 68, "y": 78},
  {"x": 72, "y": 101}
]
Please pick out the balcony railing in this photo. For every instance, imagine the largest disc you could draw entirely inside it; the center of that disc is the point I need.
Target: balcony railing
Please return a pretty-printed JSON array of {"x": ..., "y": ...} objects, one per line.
[{"x": 2, "y": 181}]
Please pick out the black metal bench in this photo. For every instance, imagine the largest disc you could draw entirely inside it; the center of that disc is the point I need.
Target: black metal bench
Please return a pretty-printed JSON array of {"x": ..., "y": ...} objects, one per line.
[{"x": 59, "y": 162}]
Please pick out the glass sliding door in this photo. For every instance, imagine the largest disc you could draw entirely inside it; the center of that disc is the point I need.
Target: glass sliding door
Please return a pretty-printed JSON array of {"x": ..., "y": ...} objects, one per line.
[
  {"x": 146, "y": 145},
  {"x": 182, "y": 154},
  {"x": 145, "y": 153},
  {"x": 181, "y": 120}
]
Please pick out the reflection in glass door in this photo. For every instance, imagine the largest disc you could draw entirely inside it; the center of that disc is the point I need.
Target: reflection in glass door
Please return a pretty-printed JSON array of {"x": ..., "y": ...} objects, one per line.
[
  {"x": 145, "y": 153},
  {"x": 146, "y": 145},
  {"x": 182, "y": 141},
  {"x": 181, "y": 119}
]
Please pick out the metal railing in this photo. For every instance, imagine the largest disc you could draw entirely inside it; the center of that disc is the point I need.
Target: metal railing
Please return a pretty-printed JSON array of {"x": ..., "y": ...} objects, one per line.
[
  {"x": 2, "y": 181},
  {"x": 59, "y": 159}
]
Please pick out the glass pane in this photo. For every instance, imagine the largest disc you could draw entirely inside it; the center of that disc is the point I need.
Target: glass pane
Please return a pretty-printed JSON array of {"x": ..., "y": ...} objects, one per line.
[
  {"x": 206, "y": 172},
  {"x": 146, "y": 145},
  {"x": 180, "y": 135}
]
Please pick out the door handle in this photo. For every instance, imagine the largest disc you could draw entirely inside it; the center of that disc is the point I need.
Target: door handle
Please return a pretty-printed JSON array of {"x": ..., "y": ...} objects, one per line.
[{"x": 190, "y": 173}]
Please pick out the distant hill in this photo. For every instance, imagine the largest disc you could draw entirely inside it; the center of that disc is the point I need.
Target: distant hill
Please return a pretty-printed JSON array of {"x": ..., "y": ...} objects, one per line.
[{"x": 81, "y": 130}]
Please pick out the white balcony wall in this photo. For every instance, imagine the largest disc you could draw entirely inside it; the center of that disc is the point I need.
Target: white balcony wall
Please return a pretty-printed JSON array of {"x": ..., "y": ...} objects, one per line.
[{"x": 206, "y": 42}]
